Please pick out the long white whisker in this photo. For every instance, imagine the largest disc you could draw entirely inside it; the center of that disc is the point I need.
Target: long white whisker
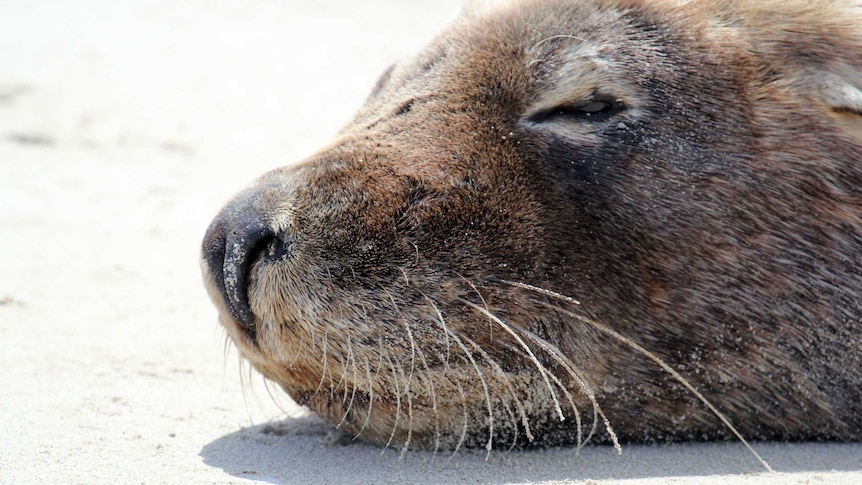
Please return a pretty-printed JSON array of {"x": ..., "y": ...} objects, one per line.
[
  {"x": 351, "y": 359},
  {"x": 370, "y": 400},
  {"x": 370, "y": 391},
  {"x": 524, "y": 420},
  {"x": 412, "y": 366},
  {"x": 544, "y": 372},
  {"x": 397, "y": 402},
  {"x": 409, "y": 415},
  {"x": 334, "y": 388},
  {"x": 433, "y": 403},
  {"x": 484, "y": 304},
  {"x": 553, "y": 294},
  {"x": 635, "y": 346},
  {"x": 323, "y": 372},
  {"x": 570, "y": 368},
  {"x": 508, "y": 383},
  {"x": 466, "y": 419},
  {"x": 469, "y": 355}
]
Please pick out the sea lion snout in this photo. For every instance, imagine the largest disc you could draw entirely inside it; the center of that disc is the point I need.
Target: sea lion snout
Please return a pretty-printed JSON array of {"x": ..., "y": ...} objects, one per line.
[{"x": 240, "y": 235}]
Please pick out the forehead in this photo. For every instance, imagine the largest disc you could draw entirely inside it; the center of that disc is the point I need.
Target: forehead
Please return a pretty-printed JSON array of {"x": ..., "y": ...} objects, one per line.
[
  {"x": 537, "y": 26},
  {"x": 521, "y": 46}
]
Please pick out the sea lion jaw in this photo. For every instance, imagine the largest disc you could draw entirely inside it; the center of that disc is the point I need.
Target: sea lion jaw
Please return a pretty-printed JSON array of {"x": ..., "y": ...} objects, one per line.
[{"x": 641, "y": 157}]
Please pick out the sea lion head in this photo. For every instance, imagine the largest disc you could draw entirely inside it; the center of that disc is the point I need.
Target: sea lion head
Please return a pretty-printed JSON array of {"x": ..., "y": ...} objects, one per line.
[{"x": 526, "y": 221}]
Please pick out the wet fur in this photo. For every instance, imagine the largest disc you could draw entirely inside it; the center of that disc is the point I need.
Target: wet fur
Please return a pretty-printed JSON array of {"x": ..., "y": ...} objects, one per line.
[{"x": 415, "y": 282}]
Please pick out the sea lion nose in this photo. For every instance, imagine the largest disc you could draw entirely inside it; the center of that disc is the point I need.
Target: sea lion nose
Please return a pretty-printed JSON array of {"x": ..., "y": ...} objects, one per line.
[{"x": 233, "y": 242}]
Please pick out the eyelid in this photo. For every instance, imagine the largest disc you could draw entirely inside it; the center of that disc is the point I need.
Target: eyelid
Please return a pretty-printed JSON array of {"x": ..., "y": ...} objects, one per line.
[
  {"x": 599, "y": 108},
  {"x": 594, "y": 106}
]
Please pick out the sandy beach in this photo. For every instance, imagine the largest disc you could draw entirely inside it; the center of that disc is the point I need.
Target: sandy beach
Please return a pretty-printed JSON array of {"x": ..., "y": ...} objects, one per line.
[{"x": 124, "y": 126}]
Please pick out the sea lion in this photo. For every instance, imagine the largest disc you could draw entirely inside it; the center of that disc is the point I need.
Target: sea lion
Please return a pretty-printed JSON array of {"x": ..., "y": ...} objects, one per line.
[{"x": 634, "y": 220}]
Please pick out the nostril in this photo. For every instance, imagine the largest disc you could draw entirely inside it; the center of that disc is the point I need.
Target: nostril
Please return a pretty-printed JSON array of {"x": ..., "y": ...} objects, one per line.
[
  {"x": 233, "y": 242},
  {"x": 241, "y": 250},
  {"x": 273, "y": 248}
]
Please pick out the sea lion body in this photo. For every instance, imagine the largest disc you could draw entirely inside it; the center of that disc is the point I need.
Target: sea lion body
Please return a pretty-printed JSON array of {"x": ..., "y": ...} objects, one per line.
[{"x": 689, "y": 172}]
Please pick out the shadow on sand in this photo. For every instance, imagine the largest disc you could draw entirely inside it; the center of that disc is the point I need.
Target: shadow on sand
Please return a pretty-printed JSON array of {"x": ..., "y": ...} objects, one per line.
[{"x": 306, "y": 450}]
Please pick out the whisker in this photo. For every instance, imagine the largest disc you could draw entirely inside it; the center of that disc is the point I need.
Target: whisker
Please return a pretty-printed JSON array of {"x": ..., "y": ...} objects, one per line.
[
  {"x": 397, "y": 402},
  {"x": 524, "y": 420},
  {"x": 351, "y": 359},
  {"x": 559, "y": 36},
  {"x": 508, "y": 384},
  {"x": 323, "y": 372},
  {"x": 542, "y": 370},
  {"x": 370, "y": 391},
  {"x": 244, "y": 382},
  {"x": 547, "y": 39},
  {"x": 334, "y": 388},
  {"x": 635, "y": 346},
  {"x": 267, "y": 385},
  {"x": 416, "y": 247},
  {"x": 433, "y": 403},
  {"x": 553, "y": 294},
  {"x": 464, "y": 413},
  {"x": 571, "y": 370},
  {"x": 484, "y": 304},
  {"x": 348, "y": 365},
  {"x": 370, "y": 400},
  {"x": 466, "y": 419},
  {"x": 469, "y": 356},
  {"x": 404, "y": 273},
  {"x": 409, "y": 415},
  {"x": 226, "y": 349},
  {"x": 295, "y": 358},
  {"x": 413, "y": 349}
]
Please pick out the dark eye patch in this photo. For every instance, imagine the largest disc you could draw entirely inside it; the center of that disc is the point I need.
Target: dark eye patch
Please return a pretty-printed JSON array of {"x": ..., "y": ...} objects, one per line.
[{"x": 596, "y": 110}]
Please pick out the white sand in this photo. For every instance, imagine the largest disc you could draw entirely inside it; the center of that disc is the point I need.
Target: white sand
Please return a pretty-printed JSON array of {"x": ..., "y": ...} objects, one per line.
[{"x": 123, "y": 127}]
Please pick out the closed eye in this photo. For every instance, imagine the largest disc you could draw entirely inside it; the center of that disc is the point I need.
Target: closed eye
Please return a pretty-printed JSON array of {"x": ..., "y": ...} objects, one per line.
[{"x": 593, "y": 111}]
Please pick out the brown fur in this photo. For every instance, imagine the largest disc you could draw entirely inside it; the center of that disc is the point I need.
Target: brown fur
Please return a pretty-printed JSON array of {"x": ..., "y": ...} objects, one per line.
[{"x": 407, "y": 282}]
